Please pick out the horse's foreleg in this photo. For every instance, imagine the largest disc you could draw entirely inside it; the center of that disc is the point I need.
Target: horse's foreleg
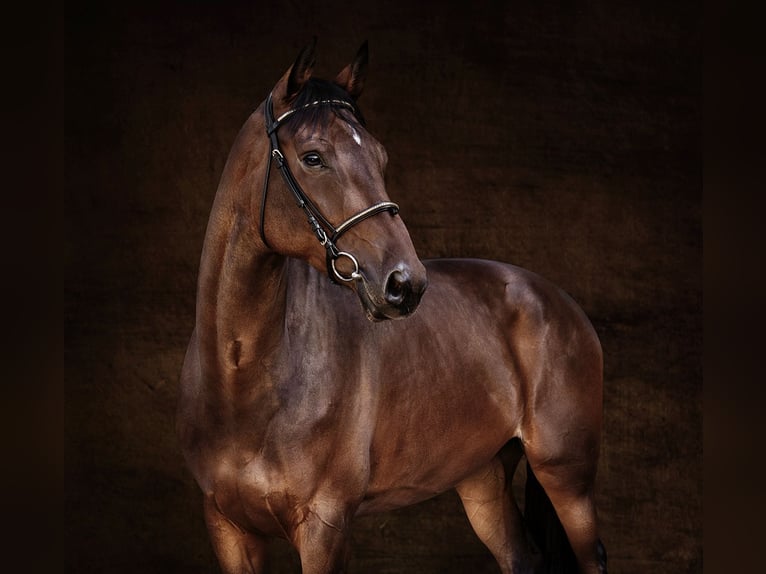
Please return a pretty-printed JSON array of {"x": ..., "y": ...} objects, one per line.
[
  {"x": 494, "y": 515},
  {"x": 238, "y": 552},
  {"x": 321, "y": 541}
]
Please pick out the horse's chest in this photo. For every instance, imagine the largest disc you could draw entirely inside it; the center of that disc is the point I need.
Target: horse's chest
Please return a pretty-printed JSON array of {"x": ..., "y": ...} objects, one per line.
[{"x": 253, "y": 493}]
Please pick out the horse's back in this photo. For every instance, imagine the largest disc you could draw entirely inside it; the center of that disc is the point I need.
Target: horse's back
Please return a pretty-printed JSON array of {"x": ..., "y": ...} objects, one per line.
[
  {"x": 555, "y": 353},
  {"x": 538, "y": 321},
  {"x": 508, "y": 292}
]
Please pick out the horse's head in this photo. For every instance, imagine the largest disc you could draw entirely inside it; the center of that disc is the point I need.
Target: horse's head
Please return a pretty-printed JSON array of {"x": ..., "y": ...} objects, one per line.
[{"x": 334, "y": 169}]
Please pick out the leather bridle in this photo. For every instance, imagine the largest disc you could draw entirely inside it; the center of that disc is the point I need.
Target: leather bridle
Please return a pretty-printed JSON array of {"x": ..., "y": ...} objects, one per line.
[{"x": 326, "y": 232}]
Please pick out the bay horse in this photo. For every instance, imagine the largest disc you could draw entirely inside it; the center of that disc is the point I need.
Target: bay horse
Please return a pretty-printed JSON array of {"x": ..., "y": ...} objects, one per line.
[{"x": 299, "y": 411}]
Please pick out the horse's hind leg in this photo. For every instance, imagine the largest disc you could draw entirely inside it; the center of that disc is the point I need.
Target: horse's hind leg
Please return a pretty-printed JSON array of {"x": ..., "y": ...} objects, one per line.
[
  {"x": 492, "y": 511},
  {"x": 238, "y": 552},
  {"x": 569, "y": 486}
]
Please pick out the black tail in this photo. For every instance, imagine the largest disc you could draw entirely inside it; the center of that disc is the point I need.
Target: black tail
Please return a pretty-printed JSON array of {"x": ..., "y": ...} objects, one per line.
[{"x": 546, "y": 529}]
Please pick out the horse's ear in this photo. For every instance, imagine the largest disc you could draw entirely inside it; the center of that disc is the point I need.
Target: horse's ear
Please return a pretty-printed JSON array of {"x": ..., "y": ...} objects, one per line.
[
  {"x": 300, "y": 72},
  {"x": 352, "y": 77}
]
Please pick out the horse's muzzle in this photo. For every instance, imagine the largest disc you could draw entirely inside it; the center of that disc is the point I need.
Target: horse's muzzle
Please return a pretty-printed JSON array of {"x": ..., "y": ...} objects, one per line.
[{"x": 401, "y": 294}]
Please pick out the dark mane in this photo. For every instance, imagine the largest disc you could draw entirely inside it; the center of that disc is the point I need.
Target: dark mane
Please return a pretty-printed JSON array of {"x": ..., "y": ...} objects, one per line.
[{"x": 318, "y": 117}]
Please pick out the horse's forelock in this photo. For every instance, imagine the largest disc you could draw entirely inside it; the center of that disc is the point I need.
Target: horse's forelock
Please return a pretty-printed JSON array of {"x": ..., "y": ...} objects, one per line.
[{"x": 317, "y": 118}]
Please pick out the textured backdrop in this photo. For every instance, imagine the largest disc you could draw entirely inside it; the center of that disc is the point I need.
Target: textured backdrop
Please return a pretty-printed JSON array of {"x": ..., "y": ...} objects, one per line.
[{"x": 562, "y": 137}]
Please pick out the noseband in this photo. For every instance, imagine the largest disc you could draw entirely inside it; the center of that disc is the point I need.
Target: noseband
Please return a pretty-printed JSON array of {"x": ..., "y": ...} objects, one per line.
[{"x": 326, "y": 232}]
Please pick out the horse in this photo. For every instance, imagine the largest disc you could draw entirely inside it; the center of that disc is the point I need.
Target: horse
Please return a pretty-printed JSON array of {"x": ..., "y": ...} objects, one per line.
[{"x": 331, "y": 373}]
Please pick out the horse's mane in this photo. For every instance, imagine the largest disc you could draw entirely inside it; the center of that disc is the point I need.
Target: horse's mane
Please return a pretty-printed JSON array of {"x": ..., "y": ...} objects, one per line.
[{"x": 318, "y": 117}]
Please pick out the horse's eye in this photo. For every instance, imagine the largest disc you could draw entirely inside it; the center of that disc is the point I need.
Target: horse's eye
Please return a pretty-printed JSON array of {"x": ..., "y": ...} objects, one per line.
[{"x": 312, "y": 160}]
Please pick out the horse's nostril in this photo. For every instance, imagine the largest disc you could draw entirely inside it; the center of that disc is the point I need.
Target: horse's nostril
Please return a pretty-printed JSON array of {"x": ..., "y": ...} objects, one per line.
[{"x": 398, "y": 287}]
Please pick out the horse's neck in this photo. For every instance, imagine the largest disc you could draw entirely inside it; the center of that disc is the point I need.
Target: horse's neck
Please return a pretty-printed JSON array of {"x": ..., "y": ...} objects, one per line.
[
  {"x": 240, "y": 297},
  {"x": 241, "y": 291}
]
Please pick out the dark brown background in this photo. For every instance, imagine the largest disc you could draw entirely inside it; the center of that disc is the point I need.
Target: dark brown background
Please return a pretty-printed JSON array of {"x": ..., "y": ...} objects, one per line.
[{"x": 563, "y": 137}]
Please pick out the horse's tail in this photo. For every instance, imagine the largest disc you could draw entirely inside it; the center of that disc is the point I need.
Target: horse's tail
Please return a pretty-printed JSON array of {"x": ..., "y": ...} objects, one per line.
[{"x": 546, "y": 529}]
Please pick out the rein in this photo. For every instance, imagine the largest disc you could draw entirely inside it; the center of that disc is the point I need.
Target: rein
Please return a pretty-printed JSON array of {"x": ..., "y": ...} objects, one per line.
[{"x": 325, "y": 232}]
